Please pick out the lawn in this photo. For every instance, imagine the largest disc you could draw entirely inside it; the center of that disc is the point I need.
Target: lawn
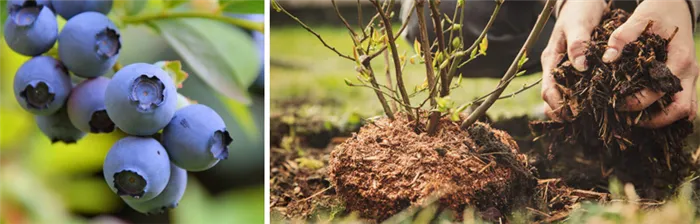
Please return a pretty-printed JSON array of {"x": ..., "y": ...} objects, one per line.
[{"x": 302, "y": 67}]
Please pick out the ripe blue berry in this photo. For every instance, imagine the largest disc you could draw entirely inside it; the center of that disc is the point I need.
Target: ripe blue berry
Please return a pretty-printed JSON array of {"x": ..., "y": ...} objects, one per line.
[
  {"x": 68, "y": 9},
  {"x": 58, "y": 127},
  {"x": 42, "y": 85},
  {"x": 141, "y": 99},
  {"x": 89, "y": 44},
  {"x": 30, "y": 29},
  {"x": 167, "y": 199},
  {"x": 137, "y": 168},
  {"x": 86, "y": 106},
  {"x": 196, "y": 138},
  {"x": 16, "y": 3}
]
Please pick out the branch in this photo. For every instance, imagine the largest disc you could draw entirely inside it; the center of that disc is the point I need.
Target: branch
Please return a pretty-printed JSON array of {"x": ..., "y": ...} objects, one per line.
[
  {"x": 531, "y": 39},
  {"x": 435, "y": 12},
  {"x": 395, "y": 54},
  {"x": 347, "y": 25},
  {"x": 454, "y": 67},
  {"x": 314, "y": 33},
  {"x": 203, "y": 15},
  {"x": 434, "y": 116},
  {"x": 377, "y": 90}
]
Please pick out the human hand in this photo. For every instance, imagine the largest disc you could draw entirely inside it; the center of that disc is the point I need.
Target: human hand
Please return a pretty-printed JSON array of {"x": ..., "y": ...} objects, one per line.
[
  {"x": 571, "y": 32},
  {"x": 667, "y": 16}
]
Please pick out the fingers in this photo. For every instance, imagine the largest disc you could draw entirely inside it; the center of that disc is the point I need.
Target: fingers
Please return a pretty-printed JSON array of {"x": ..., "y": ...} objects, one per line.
[
  {"x": 628, "y": 32},
  {"x": 550, "y": 57},
  {"x": 577, "y": 38},
  {"x": 555, "y": 115},
  {"x": 683, "y": 106},
  {"x": 641, "y": 100}
]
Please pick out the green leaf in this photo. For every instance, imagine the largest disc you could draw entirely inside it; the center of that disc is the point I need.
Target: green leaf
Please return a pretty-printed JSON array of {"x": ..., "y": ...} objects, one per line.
[
  {"x": 243, "y": 117},
  {"x": 174, "y": 69},
  {"x": 173, "y": 3},
  {"x": 128, "y": 7},
  {"x": 484, "y": 45},
  {"x": 242, "y": 205},
  {"x": 243, "y": 6},
  {"x": 522, "y": 60},
  {"x": 444, "y": 104},
  {"x": 275, "y": 6},
  {"x": 225, "y": 57}
]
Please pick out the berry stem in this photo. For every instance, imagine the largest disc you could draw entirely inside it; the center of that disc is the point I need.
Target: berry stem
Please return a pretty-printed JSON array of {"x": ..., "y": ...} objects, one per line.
[
  {"x": 117, "y": 66},
  {"x": 171, "y": 15}
]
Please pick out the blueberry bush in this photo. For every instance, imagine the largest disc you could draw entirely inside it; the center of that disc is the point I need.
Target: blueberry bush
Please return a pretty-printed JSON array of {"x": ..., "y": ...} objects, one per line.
[{"x": 104, "y": 121}]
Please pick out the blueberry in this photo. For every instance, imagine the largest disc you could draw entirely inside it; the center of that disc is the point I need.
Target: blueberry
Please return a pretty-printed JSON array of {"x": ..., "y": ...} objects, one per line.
[
  {"x": 137, "y": 168},
  {"x": 58, "y": 127},
  {"x": 89, "y": 44},
  {"x": 17, "y": 3},
  {"x": 141, "y": 99},
  {"x": 86, "y": 106},
  {"x": 167, "y": 199},
  {"x": 70, "y": 8},
  {"x": 42, "y": 85},
  {"x": 196, "y": 138},
  {"x": 30, "y": 29}
]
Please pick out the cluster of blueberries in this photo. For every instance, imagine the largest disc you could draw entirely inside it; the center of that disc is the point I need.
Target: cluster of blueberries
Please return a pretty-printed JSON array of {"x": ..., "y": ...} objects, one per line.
[{"x": 149, "y": 173}]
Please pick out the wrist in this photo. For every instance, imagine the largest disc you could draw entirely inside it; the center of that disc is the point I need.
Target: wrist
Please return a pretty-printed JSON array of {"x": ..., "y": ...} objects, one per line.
[{"x": 679, "y": 8}]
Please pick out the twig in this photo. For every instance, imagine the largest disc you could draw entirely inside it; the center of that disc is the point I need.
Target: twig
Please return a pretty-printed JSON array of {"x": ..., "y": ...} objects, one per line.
[
  {"x": 380, "y": 95},
  {"x": 531, "y": 39},
  {"x": 538, "y": 212},
  {"x": 435, "y": 13},
  {"x": 395, "y": 54},
  {"x": 385, "y": 93},
  {"x": 173, "y": 15},
  {"x": 427, "y": 57},
  {"x": 453, "y": 69},
  {"x": 314, "y": 33},
  {"x": 388, "y": 71},
  {"x": 347, "y": 25},
  {"x": 316, "y": 194},
  {"x": 359, "y": 18}
]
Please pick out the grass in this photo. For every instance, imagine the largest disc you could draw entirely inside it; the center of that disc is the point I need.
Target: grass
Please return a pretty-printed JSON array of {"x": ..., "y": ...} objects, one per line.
[{"x": 302, "y": 67}]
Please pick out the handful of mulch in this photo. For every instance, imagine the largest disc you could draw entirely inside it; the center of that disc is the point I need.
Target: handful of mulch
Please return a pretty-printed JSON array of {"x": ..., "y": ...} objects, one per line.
[{"x": 592, "y": 98}]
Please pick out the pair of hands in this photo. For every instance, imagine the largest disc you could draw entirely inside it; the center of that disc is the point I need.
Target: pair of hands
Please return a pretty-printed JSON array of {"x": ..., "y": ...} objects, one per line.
[{"x": 573, "y": 29}]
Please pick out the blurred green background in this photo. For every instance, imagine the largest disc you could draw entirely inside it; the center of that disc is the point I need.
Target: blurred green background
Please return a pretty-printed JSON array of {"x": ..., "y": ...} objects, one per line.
[{"x": 42, "y": 182}]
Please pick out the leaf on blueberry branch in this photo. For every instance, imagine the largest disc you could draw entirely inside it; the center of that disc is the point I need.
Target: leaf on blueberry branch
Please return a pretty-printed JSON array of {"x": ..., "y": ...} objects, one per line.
[
  {"x": 168, "y": 4},
  {"x": 174, "y": 69},
  {"x": 223, "y": 56},
  {"x": 484, "y": 45}
]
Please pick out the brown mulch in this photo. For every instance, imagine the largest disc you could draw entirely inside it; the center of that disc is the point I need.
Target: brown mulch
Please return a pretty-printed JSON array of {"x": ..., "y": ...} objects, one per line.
[
  {"x": 387, "y": 167},
  {"x": 298, "y": 191},
  {"x": 652, "y": 159}
]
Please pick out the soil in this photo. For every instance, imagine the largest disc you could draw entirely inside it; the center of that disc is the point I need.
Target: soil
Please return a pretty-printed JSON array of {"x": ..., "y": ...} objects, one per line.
[
  {"x": 605, "y": 141},
  {"x": 299, "y": 191}
]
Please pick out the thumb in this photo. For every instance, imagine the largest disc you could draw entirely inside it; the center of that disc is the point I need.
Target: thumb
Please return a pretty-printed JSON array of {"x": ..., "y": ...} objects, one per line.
[{"x": 628, "y": 32}]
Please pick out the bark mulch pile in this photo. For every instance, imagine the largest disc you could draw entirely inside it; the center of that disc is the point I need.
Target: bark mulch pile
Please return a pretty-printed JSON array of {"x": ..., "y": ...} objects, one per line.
[
  {"x": 652, "y": 159},
  {"x": 387, "y": 167}
]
